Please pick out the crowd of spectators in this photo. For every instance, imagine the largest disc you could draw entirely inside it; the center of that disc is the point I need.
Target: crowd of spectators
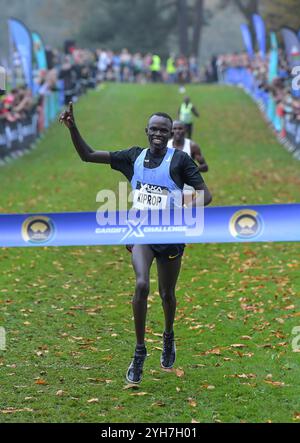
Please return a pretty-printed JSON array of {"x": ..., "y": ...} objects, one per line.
[
  {"x": 285, "y": 97},
  {"x": 17, "y": 104},
  {"x": 71, "y": 73},
  {"x": 127, "y": 67},
  {"x": 81, "y": 69}
]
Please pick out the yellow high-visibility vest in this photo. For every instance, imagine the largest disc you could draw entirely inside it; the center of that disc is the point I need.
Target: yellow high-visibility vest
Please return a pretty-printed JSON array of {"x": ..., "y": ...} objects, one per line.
[
  {"x": 171, "y": 68},
  {"x": 156, "y": 63},
  {"x": 186, "y": 115}
]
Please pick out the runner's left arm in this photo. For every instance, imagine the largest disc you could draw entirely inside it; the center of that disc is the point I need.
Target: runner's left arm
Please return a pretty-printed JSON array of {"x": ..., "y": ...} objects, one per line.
[
  {"x": 192, "y": 177},
  {"x": 198, "y": 157}
]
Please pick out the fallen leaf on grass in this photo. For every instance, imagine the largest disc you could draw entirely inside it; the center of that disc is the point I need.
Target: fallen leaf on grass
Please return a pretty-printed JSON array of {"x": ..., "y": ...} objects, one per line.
[
  {"x": 209, "y": 387},
  {"x": 247, "y": 376},
  {"x": 154, "y": 371},
  {"x": 275, "y": 383},
  {"x": 215, "y": 351},
  {"x": 99, "y": 380},
  {"x": 194, "y": 421},
  {"x": 40, "y": 381},
  {"x": 158, "y": 404},
  {"x": 179, "y": 372},
  {"x": 192, "y": 402},
  {"x": 93, "y": 400},
  {"x": 238, "y": 345},
  {"x": 131, "y": 386},
  {"x": 296, "y": 416},
  {"x": 13, "y": 410}
]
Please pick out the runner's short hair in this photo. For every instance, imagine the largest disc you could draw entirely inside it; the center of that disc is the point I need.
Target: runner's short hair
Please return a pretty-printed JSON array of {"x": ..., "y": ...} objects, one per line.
[{"x": 162, "y": 114}]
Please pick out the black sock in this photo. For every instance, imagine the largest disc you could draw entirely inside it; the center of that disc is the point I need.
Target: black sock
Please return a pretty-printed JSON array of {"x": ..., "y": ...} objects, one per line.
[
  {"x": 140, "y": 349},
  {"x": 168, "y": 335}
]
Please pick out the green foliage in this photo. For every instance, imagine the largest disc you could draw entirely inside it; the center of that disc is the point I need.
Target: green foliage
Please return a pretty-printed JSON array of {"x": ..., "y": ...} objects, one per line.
[
  {"x": 67, "y": 311},
  {"x": 279, "y": 13},
  {"x": 135, "y": 24}
]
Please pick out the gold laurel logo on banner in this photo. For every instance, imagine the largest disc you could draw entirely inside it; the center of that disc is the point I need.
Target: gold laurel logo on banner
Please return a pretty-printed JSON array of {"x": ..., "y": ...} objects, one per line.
[
  {"x": 38, "y": 229},
  {"x": 245, "y": 223}
]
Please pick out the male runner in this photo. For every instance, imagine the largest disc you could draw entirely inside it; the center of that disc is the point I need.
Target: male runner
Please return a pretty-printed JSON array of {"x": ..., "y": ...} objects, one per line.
[
  {"x": 179, "y": 141},
  {"x": 156, "y": 166},
  {"x": 185, "y": 113}
]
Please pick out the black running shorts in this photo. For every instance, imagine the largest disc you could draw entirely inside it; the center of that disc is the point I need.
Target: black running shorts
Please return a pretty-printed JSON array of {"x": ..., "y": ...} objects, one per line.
[{"x": 165, "y": 253}]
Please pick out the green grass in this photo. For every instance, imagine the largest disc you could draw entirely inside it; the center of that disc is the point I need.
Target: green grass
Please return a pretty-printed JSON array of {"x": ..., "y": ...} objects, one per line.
[{"x": 67, "y": 311}]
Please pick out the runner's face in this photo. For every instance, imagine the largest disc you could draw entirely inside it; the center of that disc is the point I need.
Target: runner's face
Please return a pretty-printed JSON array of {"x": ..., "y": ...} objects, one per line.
[
  {"x": 179, "y": 132},
  {"x": 159, "y": 132}
]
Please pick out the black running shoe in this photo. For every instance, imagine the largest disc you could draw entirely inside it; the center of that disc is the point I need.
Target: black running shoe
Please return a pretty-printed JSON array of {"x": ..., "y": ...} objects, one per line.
[
  {"x": 135, "y": 370},
  {"x": 168, "y": 355}
]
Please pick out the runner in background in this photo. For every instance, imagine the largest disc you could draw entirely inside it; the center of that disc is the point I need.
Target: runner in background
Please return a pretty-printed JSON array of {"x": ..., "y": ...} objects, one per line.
[
  {"x": 179, "y": 141},
  {"x": 185, "y": 113}
]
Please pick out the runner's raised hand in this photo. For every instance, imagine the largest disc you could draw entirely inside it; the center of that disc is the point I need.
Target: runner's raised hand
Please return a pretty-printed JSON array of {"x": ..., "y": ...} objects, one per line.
[{"x": 67, "y": 117}]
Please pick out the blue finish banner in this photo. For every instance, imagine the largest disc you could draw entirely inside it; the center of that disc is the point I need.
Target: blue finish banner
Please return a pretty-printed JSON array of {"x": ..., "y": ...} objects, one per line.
[
  {"x": 247, "y": 39},
  {"x": 263, "y": 223},
  {"x": 260, "y": 31},
  {"x": 292, "y": 47},
  {"x": 22, "y": 40}
]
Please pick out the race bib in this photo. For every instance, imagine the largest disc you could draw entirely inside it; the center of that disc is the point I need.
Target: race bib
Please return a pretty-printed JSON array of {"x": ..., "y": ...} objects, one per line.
[{"x": 150, "y": 197}]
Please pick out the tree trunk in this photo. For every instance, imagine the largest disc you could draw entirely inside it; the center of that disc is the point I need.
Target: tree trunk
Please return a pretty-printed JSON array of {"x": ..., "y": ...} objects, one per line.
[
  {"x": 182, "y": 13},
  {"x": 198, "y": 24}
]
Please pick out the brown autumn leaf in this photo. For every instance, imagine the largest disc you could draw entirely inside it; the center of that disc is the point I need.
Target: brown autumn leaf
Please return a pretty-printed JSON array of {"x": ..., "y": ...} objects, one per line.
[
  {"x": 194, "y": 421},
  {"x": 215, "y": 351},
  {"x": 238, "y": 345},
  {"x": 40, "y": 381},
  {"x": 246, "y": 376},
  {"x": 290, "y": 307},
  {"x": 192, "y": 402},
  {"x": 209, "y": 387},
  {"x": 131, "y": 386},
  {"x": 13, "y": 410},
  {"x": 179, "y": 372},
  {"x": 93, "y": 400},
  {"x": 60, "y": 393},
  {"x": 275, "y": 383},
  {"x": 296, "y": 416},
  {"x": 99, "y": 380},
  {"x": 159, "y": 404}
]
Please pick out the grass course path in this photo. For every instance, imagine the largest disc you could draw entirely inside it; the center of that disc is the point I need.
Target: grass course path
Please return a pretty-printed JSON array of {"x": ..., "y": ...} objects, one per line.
[{"x": 67, "y": 311}]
